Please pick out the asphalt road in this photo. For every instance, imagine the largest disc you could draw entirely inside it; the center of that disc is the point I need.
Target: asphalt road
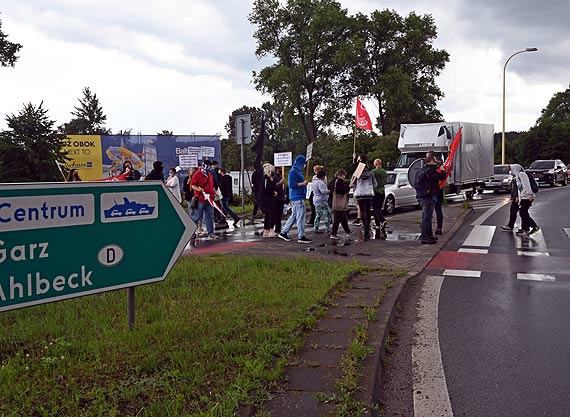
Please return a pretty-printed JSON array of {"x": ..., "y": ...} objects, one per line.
[{"x": 485, "y": 330}]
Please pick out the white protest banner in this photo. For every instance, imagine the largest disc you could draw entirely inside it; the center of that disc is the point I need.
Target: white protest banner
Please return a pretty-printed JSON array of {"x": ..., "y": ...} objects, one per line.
[
  {"x": 283, "y": 159},
  {"x": 309, "y": 151},
  {"x": 359, "y": 170},
  {"x": 208, "y": 151},
  {"x": 188, "y": 161}
]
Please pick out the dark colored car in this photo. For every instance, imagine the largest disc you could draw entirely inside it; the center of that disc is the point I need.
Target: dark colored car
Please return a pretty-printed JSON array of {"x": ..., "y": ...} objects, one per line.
[
  {"x": 500, "y": 181},
  {"x": 549, "y": 171}
]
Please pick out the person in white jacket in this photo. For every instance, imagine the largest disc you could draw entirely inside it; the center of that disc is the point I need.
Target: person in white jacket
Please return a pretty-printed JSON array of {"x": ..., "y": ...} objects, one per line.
[
  {"x": 173, "y": 184},
  {"x": 526, "y": 197}
]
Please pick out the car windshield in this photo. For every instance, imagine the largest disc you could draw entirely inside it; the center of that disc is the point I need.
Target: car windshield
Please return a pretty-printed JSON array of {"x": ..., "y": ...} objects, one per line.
[
  {"x": 501, "y": 169},
  {"x": 542, "y": 165},
  {"x": 391, "y": 178}
]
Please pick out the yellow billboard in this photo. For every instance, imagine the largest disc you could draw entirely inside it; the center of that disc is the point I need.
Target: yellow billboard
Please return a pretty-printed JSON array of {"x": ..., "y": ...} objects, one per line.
[{"x": 85, "y": 155}]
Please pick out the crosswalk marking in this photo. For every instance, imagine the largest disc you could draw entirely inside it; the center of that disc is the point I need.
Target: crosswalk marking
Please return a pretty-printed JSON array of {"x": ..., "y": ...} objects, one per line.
[
  {"x": 527, "y": 253},
  {"x": 473, "y": 250},
  {"x": 462, "y": 273},
  {"x": 535, "y": 277},
  {"x": 480, "y": 236}
]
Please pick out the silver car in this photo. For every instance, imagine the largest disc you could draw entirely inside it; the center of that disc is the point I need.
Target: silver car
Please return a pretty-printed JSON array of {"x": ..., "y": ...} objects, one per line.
[
  {"x": 398, "y": 192},
  {"x": 501, "y": 180}
]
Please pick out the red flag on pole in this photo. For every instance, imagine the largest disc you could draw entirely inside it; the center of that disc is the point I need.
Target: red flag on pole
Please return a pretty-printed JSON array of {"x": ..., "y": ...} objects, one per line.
[
  {"x": 362, "y": 118},
  {"x": 448, "y": 164}
]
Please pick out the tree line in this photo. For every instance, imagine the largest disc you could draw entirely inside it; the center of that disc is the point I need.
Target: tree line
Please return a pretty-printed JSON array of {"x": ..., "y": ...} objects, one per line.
[{"x": 321, "y": 59}]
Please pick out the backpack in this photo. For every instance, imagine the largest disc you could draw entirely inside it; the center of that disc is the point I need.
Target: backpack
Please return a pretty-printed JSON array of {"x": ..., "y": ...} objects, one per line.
[
  {"x": 422, "y": 185},
  {"x": 533, "y": 184}
]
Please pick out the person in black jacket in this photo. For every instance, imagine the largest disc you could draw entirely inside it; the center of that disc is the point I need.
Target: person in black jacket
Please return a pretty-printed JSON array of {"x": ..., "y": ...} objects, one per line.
[
  {"x": 339, "y": 187},
  {"x": 134, "y": 174},
  {"x": 267, "y": 194},
  {"x": 156, "y": 173},
  {"x": 427, "y": 188},
  {"x": 279, "y": 199},
  {"x": 227, "y": 194}
]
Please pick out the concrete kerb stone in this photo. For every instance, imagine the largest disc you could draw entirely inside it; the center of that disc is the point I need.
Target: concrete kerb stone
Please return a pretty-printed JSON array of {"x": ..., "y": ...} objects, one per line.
[
  {"x": 371, "y": 381},
  {"x": 334, "y": 332}
]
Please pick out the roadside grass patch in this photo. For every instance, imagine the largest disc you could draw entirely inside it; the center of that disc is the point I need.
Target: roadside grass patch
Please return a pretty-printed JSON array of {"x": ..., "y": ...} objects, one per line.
[{"x": 210, "y": 337}]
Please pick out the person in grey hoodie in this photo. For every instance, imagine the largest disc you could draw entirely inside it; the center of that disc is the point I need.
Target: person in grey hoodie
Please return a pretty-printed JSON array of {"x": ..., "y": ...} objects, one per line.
[
  {"x": 321, "y": 201},
  {"x": 526, "y": 197},
  {"x": 364, "y": 193}
]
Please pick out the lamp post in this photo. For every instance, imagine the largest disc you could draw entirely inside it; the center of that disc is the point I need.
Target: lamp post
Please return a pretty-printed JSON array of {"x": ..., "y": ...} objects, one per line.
[{"x": 504, "y": 71}]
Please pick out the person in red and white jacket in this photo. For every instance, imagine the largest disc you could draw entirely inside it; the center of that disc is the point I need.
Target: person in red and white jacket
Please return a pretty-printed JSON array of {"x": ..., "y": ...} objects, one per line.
[{"x": 203, "y": 185}]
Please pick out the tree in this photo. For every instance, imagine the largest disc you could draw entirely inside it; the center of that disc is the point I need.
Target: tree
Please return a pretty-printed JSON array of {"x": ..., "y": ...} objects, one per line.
[
  {"x": 89, "y": 117},
  {"x": 8, "y": 50},
  {"x": 307, "y": 39},
  {"x": 30, "y": 147},
  {"x": 394, "y": 61},
  {"x": 549, "y": 138},
  {"x": 165, "y": 133}
]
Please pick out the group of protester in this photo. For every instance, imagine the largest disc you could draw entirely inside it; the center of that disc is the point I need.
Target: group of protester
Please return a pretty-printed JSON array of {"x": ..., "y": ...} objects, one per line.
[
  {"x": 328, "y": 200},
  {"x": 209, "y": 185},
  {"x": 429, "y": 183}
]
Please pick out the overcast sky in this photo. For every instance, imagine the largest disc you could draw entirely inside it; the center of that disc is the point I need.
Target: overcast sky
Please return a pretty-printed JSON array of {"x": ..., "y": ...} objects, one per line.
[{"x": 185, "y": 65}]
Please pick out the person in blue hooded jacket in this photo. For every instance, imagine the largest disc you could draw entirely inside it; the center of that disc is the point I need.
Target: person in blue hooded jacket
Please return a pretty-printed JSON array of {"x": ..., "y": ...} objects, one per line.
[{"x": 297, "y": 194}]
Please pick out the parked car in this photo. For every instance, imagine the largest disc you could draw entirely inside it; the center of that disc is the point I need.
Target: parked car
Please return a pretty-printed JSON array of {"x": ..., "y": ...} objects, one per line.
[
  {"x": 398, "y": 192},
  {"x": 500, "y": 181},
  {"x": 548, "y": 171}
]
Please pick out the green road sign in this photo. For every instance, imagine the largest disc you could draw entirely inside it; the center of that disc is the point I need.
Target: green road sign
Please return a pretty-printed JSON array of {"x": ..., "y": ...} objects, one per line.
[{"x": 65, "y": 240}]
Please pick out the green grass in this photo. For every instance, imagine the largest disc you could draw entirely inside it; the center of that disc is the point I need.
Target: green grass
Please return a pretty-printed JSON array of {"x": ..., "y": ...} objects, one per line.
[{"x": 207, "y": 339}]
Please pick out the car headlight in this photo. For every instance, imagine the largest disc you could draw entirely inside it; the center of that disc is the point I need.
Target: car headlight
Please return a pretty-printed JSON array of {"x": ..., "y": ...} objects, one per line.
[
  {"x": 506, "y": 180},
  {"x": 550, "y": 171}
]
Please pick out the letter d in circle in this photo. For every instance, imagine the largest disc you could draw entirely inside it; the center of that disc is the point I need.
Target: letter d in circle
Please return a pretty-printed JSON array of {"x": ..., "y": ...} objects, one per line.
[{"x": 110, "y": 255}]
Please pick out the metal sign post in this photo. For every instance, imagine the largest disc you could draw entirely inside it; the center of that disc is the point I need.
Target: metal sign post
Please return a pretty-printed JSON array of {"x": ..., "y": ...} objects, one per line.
[{"x": 243, "y": 136}]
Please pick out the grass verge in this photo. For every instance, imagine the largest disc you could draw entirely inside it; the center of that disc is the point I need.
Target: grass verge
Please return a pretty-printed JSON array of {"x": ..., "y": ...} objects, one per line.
[{"x": 207, "y": 339}]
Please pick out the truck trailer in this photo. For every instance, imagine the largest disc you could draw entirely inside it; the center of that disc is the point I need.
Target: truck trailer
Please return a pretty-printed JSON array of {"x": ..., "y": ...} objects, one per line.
[{"x": 473, "y": 160}]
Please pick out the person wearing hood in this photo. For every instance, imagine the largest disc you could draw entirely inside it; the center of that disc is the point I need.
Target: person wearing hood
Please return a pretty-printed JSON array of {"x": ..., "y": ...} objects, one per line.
[
  {"x": 526, "y": 196},
  {"x": 514, "y": 208},
  {"x": 156, "y": 173},
  {"x": 364, "y": 187},
  {"x": 297, "y": 194}
]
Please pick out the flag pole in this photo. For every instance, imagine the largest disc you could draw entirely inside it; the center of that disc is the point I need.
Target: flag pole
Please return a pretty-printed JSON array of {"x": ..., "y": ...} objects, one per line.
[{"x": 354, "y": 144}]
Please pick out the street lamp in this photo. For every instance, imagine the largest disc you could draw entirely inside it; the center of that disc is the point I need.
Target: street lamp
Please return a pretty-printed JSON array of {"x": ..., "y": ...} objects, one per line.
[{"x": 504, "y": 71}]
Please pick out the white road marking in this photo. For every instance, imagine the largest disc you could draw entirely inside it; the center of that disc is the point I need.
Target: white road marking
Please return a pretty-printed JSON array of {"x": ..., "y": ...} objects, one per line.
[
  {"x": 431, "y": 397},
  {"x": 525, "y": 253},
  {"x": 535, "y": 277},
  {"x": 479, "y": 221},
  {"x": 480, "y": 236},
  {"x": 535, "y": 241},
  {"x": 462, "y": 273},
  {"x": 473, "y": 250},
  {"x": 567, "y": 231}
]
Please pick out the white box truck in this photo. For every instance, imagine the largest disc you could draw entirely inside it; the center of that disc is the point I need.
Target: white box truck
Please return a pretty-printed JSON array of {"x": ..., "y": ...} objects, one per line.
[{"x": 473, "y": 160}]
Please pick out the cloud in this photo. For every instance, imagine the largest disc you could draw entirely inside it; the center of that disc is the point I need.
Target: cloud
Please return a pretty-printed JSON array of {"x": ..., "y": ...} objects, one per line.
[
  {"x": 185, "y": 65},
  {"x": 194, "y": 37}
]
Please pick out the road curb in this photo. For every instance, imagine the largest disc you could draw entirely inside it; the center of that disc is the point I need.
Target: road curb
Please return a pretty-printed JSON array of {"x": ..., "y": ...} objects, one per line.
[{"x": 379, "y": 331}]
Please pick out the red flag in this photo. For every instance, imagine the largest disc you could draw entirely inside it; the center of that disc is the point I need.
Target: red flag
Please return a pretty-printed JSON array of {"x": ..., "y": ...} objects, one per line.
[
  {"x": 448, "y": 164},
  {"x": 362, "y": 118}
]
